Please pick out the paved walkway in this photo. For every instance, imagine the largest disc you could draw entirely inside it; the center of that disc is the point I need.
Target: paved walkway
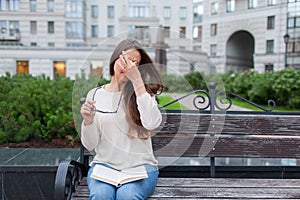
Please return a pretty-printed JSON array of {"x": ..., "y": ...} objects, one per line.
[{"x": 188, "y": 102}]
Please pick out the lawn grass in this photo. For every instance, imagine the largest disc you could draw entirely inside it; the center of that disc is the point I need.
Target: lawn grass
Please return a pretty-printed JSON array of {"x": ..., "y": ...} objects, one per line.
[
  {"x": 246, "y": 105},
  {"x": 163, "y": 100}
]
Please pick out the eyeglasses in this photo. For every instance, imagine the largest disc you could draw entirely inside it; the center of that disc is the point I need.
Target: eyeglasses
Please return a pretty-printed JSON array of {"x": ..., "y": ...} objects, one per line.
[{"x": 108, "y": 112}]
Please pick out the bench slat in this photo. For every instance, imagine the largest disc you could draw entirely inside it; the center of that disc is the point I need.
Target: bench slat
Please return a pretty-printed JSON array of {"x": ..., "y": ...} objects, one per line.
[
  {"x": 210, "y": 188},
  {"x": 227, "y": 146},
  {"x": 239, "y": 124}
]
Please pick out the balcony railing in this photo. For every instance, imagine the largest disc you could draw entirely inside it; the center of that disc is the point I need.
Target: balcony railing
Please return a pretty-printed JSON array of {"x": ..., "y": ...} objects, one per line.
[{"x": 10, "y": 36}]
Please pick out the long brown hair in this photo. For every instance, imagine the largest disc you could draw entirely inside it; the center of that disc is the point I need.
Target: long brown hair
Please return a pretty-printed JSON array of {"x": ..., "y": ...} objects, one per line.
[{"x": 152, "y": 80}]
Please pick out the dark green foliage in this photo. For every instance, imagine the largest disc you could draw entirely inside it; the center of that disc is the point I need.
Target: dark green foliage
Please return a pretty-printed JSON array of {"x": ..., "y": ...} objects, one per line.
[
  {"x": 37, "y": 107},
  {"x": 286, "y": 86},
  {"x": 34, "y": 107},
  {"x": 196, "y": 80},
  {"x": 174, "y": 83}
]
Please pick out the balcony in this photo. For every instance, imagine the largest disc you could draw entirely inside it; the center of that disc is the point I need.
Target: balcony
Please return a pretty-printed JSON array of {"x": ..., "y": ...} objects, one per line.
[{"x": 11, "y": 36}]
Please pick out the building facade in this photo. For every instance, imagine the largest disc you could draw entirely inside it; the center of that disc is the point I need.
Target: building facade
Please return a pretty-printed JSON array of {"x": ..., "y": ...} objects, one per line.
[
  {"x": 245, "y": 34},
  {"x": 67, "y": 37}
]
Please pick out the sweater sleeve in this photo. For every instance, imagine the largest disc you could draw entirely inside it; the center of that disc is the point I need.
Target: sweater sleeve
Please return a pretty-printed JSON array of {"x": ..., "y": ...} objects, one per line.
[
  {"x": 90, "y": 134},
  {"x": 149, "y": 112}
]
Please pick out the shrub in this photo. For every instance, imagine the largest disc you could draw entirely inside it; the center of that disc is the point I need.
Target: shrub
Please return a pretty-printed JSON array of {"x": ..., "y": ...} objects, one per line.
[
  {"x": 287, "y": 87},
  {"x": 35, "y": 107}
]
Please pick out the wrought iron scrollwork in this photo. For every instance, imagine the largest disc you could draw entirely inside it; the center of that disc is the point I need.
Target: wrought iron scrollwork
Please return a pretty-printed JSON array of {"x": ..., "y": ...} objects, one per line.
[
  {"x": 204, "y": 100},
  {"x": 271, "y": 103},
  {"x": 199, "y": 99}
]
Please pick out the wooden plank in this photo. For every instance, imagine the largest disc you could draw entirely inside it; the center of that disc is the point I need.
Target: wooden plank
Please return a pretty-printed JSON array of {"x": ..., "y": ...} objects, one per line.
[
  {"x": 240, "y": 193},
  {"x": 253, "y": 146},
  {"x": 210, "y": 188},
  {"x": 240, "y": 124},
  {"x": 229, "y": 183}
]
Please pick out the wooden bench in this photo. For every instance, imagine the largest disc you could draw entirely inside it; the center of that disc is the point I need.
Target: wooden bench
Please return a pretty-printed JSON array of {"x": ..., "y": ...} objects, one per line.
[{"x": 212, "y": 135}]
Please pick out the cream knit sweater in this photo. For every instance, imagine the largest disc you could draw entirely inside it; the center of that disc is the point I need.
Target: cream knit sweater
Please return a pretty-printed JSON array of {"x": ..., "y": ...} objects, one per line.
[{"x": 107, "y": 135}]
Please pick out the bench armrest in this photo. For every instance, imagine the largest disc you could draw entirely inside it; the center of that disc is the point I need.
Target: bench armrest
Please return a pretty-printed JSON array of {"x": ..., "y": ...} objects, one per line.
[{"x": 68, "y": 176}]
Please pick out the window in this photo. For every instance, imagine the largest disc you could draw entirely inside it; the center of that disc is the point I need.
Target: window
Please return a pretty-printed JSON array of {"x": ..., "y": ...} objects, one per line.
[
  {"x": 13, "y": 28},
  {"x": 269, "y": 67},
  {"x": 230, "y": 5},
  {"x": 59, "y": 69},
  {"x": 271, "y": 22},
  {"x": 252, "y": 4},
  {"x": 74, "y": 44},
  {"x": 294, "y": 22},
  {"x": 293, "y": 47},
  {"x": 94, "y": 13},
  {"x": 32, "y": 6},
  {"x": 110, "y": 11},
  {"x": 213, "y": 29},
  {"x": 167, "y": 12},
  {"x": 33, "y": 44},
  {"x": 297, "y": 46},
  {"x": 213, "y": 50},
  {"x": 22, "y": 67},
  {"x": 198, "y": 13},
  {"x": 74, "y": 8},
  {"x": 51, "y": 44},
  {"x": 182, "y": 32},
  {"x": 110, "y": 31},
  {"x": 197, "y": 32},
  {"x": 74, "y": 30},
  {"x": 51, "y": 27},
  {"x": 182, "y": 12},
  {"x": 271, "y": 2},
  {"x": 3, "y": 5},
  {"x": 50, "y": 5},
  {"x": 13, "y": 5},
  {"x": 96, "y": 67},
  {"x": 139, "y": 32},
  {"x": 3, "y": 26},
  {"x": 139, "y": 1},
  {"x": 139, "y": 11},
  {"x": 270, "y": 47},
  {"x": 214, "y": 8},
  {"x": 291, "y": 22},
  {"x": 33, "y": 27},
  {"x": 167, "y": 31},
  {"x": 95, "y": 31}
]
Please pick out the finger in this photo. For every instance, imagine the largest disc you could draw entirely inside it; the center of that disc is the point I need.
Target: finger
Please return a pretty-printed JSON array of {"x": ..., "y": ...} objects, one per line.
[
  {"x": 121, "y": 65},
  {"x": 91, "y": 102},
  {"x": 123, "y": 59},
  {"x": 124, "y": 55},
  {"x": 87, "y": 112}
]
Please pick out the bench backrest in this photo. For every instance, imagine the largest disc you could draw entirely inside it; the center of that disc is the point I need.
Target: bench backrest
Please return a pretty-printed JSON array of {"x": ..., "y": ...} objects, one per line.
[{"x": 261, "y": 135}]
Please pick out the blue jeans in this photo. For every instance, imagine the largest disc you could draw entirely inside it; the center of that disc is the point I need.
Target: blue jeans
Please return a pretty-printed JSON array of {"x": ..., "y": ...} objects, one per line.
[{"x": 137, "y": 190}]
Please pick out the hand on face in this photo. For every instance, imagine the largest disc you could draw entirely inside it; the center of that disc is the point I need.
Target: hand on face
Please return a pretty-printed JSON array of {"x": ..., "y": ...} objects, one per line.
[{"x": 129, "y": 62}]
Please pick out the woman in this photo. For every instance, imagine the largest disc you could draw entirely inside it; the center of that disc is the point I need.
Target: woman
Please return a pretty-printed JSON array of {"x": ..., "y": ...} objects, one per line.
[{"x": 118, "y": 119}]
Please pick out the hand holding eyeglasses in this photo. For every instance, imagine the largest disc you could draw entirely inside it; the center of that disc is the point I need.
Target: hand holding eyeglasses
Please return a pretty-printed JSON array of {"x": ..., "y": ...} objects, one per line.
[{"x": 88, "y": 112}]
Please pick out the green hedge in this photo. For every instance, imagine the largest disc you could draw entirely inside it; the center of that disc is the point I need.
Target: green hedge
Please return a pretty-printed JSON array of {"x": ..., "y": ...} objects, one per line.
[
  {"x": 283, "y": 86},
  {"x": 34, "y": 107},
  {"x": 37, "y": 107}
]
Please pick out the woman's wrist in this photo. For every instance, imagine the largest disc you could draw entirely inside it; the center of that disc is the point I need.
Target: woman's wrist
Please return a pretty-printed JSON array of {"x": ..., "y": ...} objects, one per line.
[
  {"x": 139, "y": 87},
  {"x": 87, "y": 122}
]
